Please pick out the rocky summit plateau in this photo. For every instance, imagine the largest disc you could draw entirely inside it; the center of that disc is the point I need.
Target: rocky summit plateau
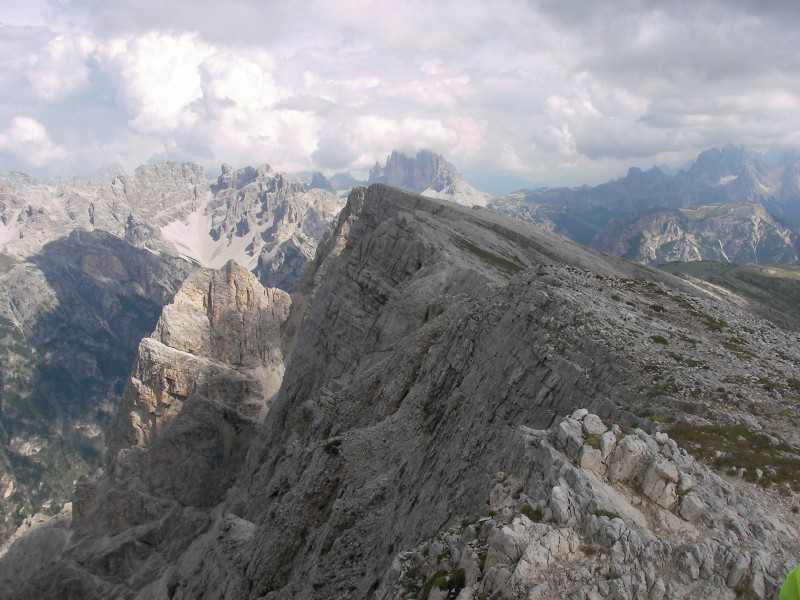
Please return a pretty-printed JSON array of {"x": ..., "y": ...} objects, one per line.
[{"x": 450, "y": 404}]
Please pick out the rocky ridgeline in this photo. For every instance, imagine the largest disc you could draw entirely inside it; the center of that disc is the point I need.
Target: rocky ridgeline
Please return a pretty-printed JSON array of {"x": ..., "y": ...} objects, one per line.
[
  {"x": 269, "y": 222},
  {"x": 603, "y": 514},
  {"x": 739, "y": 233}
]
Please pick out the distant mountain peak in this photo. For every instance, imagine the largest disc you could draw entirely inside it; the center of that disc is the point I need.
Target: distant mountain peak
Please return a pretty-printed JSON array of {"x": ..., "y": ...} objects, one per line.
[{"x": 426, "y": 173}]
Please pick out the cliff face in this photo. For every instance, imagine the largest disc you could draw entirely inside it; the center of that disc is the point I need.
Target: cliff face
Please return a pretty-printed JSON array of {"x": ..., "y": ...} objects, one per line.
[
  {"x": 431, "y": 346},
  {"x": 75, "y": 299},
  {"x": 200, "y": 388},
  {"x": 70, "y": 321}
]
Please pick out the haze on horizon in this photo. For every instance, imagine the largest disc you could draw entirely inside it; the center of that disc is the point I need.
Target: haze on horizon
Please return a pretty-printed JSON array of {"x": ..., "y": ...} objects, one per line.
[{"x": 548, "y": 92}]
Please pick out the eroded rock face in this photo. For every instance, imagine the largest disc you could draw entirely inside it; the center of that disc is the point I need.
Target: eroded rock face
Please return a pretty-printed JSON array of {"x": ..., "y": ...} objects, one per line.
[
  {"x": 272, "y": 219},
  {"x": 201, "y": 386},
  {"x": 71, "y": 319},
  {"x": 219, "y": 338}
]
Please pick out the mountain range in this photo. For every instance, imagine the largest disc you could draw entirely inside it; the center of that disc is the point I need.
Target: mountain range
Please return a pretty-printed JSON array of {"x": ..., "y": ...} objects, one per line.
[
  {"x": 420, "y": 370},
  {"x": 469, "y": 406},
  {"x": 729, "y": 205}
]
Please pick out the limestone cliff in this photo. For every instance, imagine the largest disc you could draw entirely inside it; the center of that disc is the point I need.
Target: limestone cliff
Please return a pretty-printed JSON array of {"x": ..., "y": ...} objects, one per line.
[
  {"x": 431, "y": 345},
  {"x": 199, "y": 389}
]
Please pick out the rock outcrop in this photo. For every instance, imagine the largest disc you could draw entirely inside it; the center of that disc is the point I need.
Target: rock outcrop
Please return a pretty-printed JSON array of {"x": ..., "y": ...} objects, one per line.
[
  {"x": 200, "y": 388},
  {"x": 431, "y": 344},
  {"x": 599, "y": 513},
  {"x": 70, "y": 320}
]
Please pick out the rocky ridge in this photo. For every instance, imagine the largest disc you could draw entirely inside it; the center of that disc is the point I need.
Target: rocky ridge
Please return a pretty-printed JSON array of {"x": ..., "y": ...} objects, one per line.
[
  {"x": 265, "y": 220},
  {"x": 600, "y": 513},
  {"x": 429, "y": 344},
  {"x": 736, "y": 233}
]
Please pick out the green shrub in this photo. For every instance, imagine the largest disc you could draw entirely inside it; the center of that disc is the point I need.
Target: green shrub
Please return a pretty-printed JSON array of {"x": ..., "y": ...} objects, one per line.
[
  {"x": 659, "y": 339},
  {"x": 332, "y": 447},
  {"x": 534, "y": 514}
]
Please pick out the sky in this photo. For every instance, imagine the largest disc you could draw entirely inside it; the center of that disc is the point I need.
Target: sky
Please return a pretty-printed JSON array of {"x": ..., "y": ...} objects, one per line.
[{"x": 550, "y": 92}]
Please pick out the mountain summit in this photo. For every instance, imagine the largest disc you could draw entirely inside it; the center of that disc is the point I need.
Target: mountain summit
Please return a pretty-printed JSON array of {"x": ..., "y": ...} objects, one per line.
[{"x": 428, "y": 174}]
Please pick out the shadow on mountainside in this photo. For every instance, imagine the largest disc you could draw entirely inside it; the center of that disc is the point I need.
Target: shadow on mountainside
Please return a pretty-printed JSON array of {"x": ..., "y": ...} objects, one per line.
[{"x": 68, "y": 368}]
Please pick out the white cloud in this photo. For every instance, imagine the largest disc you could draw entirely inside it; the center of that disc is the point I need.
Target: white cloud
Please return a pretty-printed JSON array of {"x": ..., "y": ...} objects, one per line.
[
  {"x": 27, "y": 141},
  {"x": 159, "y": 78},
  {"x": 569, "y": 91},
  {"x": 60, "y": 68}
]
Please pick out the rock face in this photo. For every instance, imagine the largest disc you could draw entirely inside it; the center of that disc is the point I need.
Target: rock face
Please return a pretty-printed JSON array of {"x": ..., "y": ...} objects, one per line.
[
  {"x": 219, "y": 338},
  {"x": 71, "y": 318},
  {"x": 428, "y": 174},
  {"x": 431, "y": 346},
  {"x": 76, "y": 299},
  {"x": 268, "y": 222},
  {"x": 729, "y": 205},
  {"x": 200, "y": 388},
  {"x": 737, "y": 233}
]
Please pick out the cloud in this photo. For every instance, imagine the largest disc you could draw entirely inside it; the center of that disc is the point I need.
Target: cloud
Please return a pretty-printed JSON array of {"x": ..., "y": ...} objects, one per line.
[
  {"x": 554, "y": 91},
  {"x": 27, "y": 141}
]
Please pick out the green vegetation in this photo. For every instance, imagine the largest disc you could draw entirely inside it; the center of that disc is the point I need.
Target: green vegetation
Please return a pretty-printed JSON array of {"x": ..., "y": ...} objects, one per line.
[
  {"x": 332, "y": 447},
  {"x": 534, "y": 514},
  {"x": 776, "y": 287},
  {"x": 732, "y": 447},
  {"x": 452, "y": 582},
  {"x": 510, "y": 267},
  {"x": 659, "y": 339},
  {"x": 605, "y": 513},
  {"x": 593, "y": 441}
]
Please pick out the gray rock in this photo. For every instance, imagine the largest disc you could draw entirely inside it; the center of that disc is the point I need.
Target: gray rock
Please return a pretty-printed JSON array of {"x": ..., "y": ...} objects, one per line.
[{"x": 628, "y": 460}]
